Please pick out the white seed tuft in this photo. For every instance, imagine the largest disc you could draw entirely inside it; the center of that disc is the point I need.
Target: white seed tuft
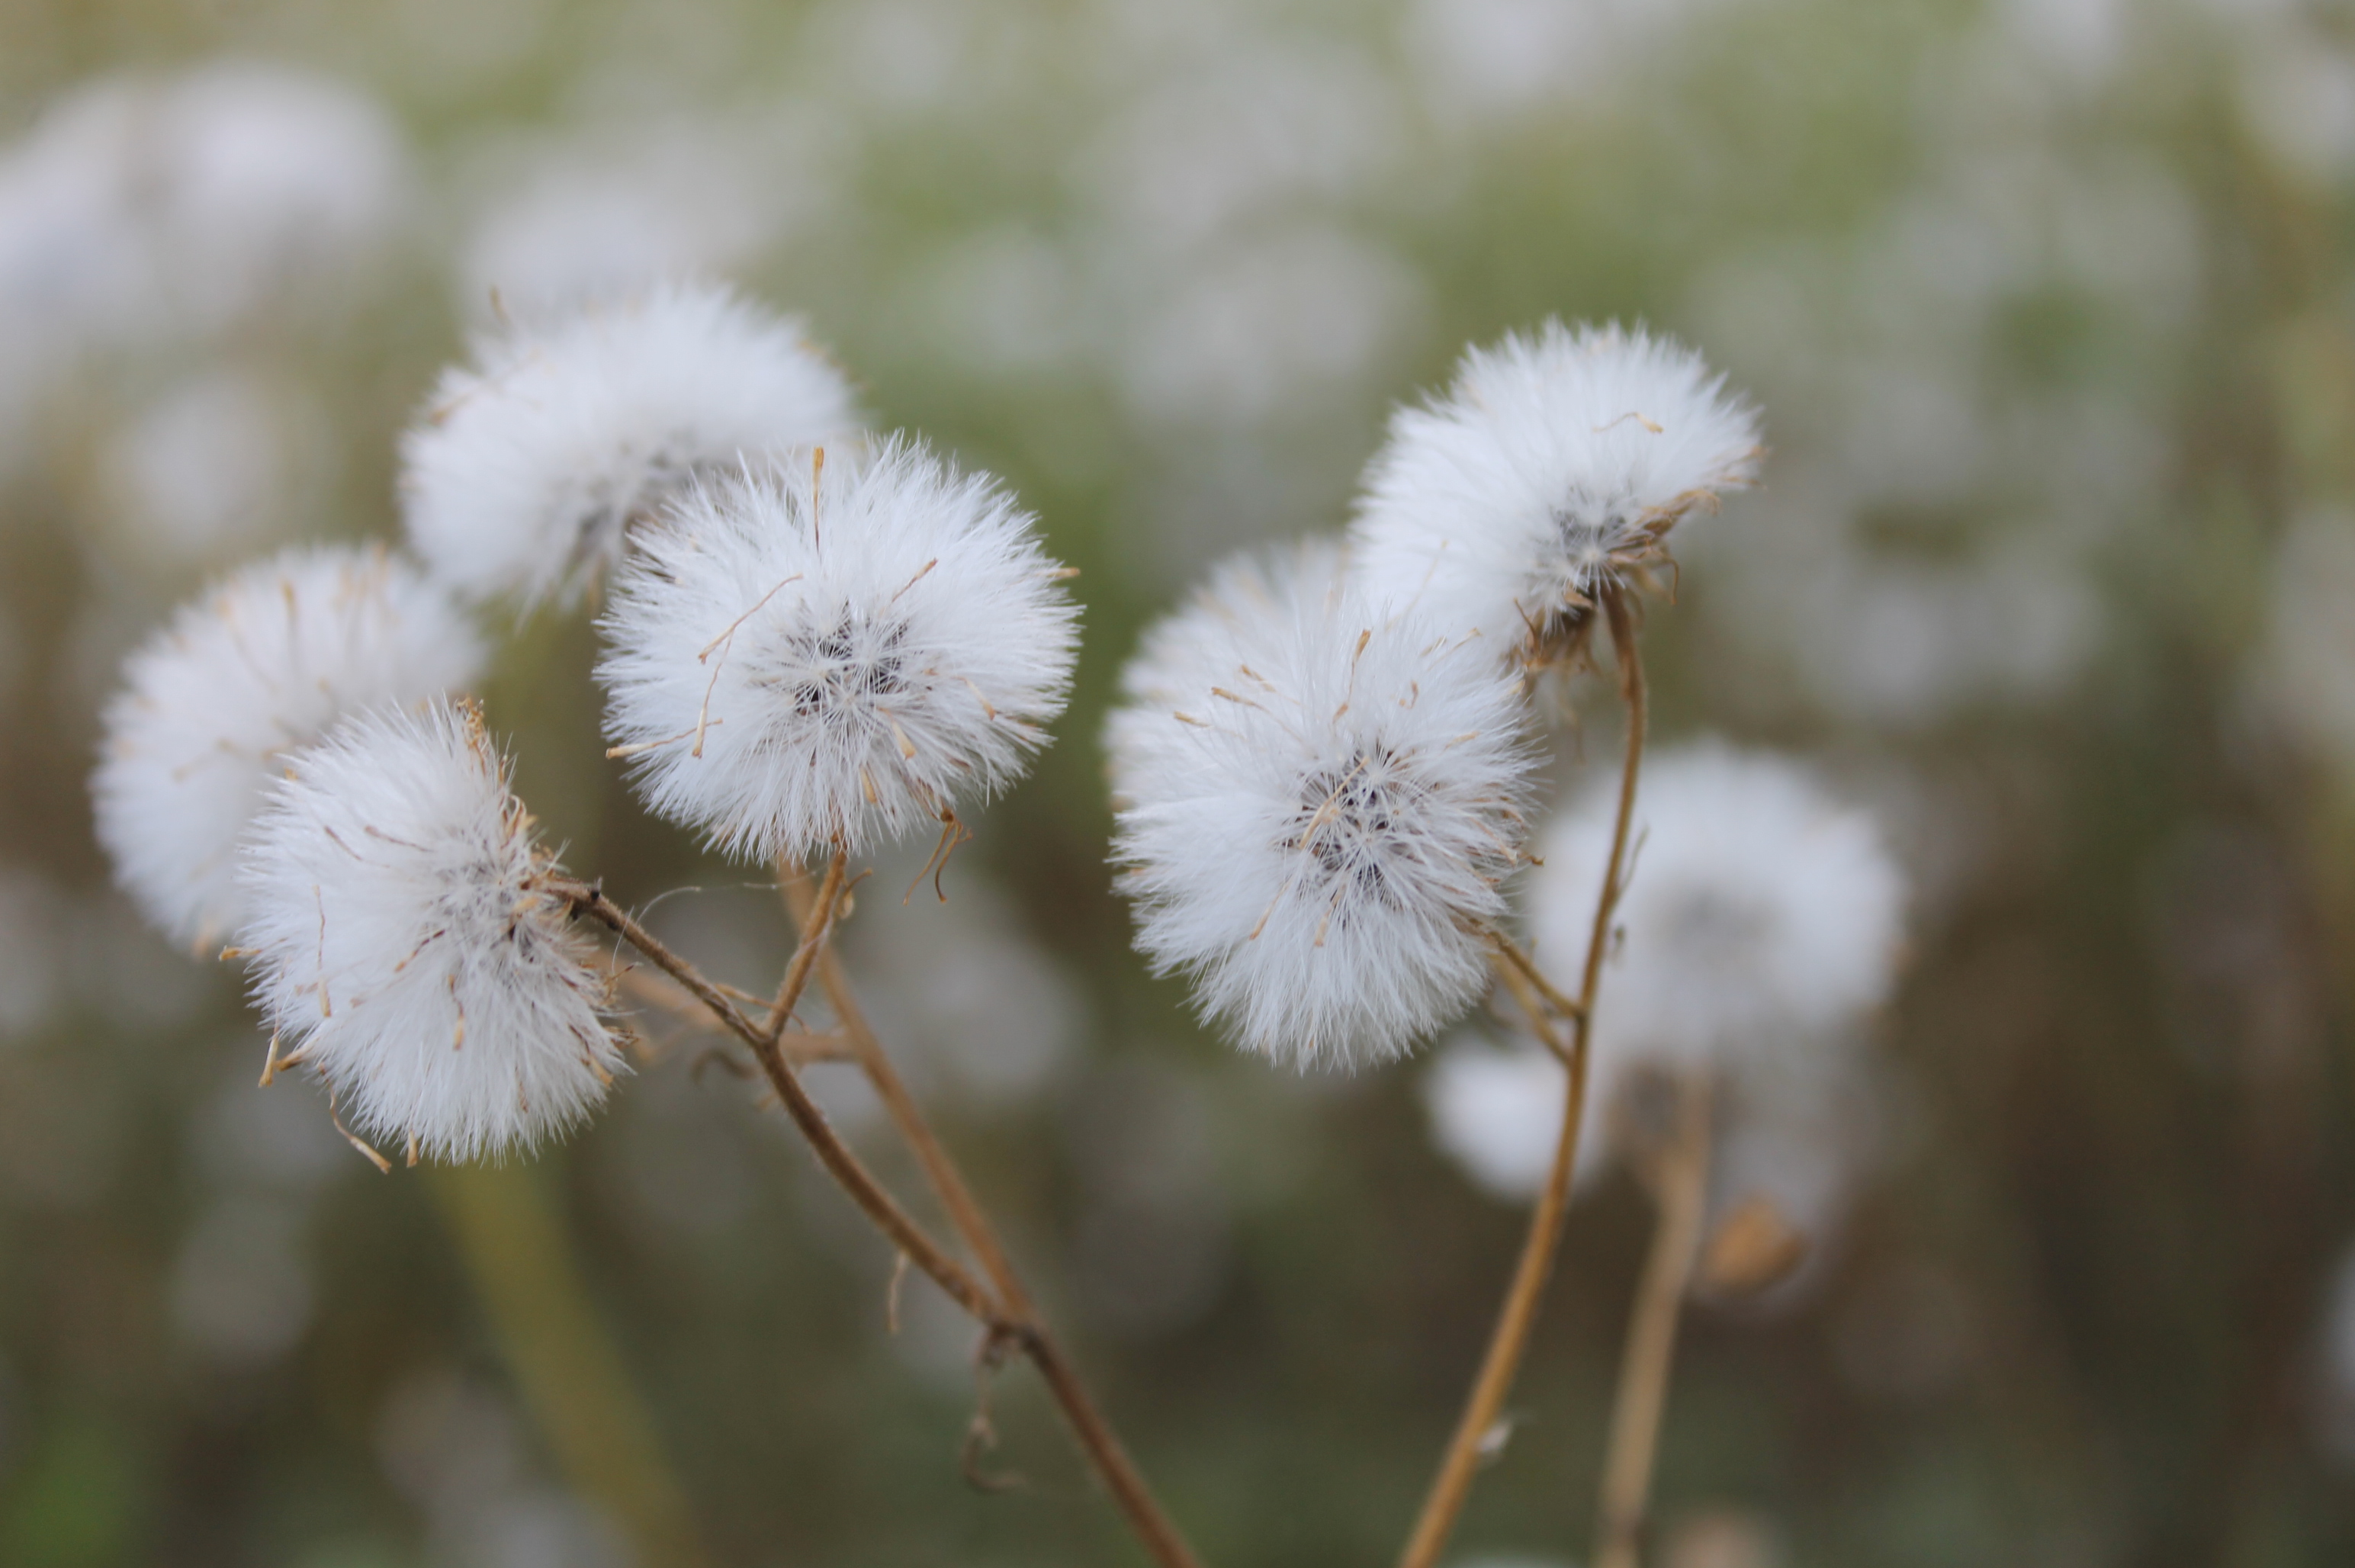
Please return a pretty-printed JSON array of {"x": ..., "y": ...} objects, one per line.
[
  {"x": 836, "y": 651},
  {"x": 407, "y": 946},
  {"x": 1553, "y": 468},
  {"x": 251, "y": 670},
  {"x": 525, "y": 472},
  {"x": 1318, "y": 805}
]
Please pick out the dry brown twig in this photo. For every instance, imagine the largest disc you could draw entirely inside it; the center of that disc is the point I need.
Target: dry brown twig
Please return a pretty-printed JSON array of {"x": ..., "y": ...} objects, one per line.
[
  {"x": 1509, "y": 1340},
  {"x": 1002, "y": 1307},
  {"x": 1676, "y": 1173}
]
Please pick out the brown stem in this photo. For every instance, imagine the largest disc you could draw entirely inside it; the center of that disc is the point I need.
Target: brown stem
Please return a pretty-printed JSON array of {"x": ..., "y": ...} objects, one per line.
[
  {"x": 1094, "y": 1433},
  {"x": 815, "y": 928},
  {"x": 879, "y": 1205},
  {"x": 1679, "y": 1183},
  {"x": 1510, "y": 1338}
]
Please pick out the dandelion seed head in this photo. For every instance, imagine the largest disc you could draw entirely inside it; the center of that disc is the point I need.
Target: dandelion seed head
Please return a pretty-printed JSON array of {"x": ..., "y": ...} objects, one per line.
[
  {"x": 405, "y": 941},
  {"x": 254, "y": 668},
  {"x": 1549, "y": 471},
  {"x": 799, "y": 655},
  {"x": 528, "y": 469},
  {"x": 1319, "y": 804}
]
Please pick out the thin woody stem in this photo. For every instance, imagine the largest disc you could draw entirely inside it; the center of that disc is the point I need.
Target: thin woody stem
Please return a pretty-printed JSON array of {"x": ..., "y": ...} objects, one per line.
[
  {"x": 1679, "y": 1183},
  {"x": 814, "y": 927},
  {"x": 879, "y": 1205},
  {"x": 1022, "y": 1322},
  {"x": 1509, "y": 1340}
]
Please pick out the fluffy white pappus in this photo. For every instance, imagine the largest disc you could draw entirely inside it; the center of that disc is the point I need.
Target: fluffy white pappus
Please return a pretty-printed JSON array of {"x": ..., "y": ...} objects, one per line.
[
  {"x": 801, "y": 657},
  {"x": 1760, "y": 914},
  {"x": 254, "y": 668},
  {"x": 1551, "y": 469},
  {"x": 1318, "y": 806},
  {"x": 528, "y": 469},
  {"x": 407, "y": 948}
]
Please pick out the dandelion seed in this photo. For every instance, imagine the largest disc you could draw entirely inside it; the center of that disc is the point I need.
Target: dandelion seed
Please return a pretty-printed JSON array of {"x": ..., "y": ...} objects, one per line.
[
  {"x": 254, "y": 668},
  {"x": 1553, "y": 469},
  {"x": 528, "y": 469},
  {"x": 1320, "y": 868},
  {"x": 908, "y": 656},
  {"x": 468, "y": 1017}
]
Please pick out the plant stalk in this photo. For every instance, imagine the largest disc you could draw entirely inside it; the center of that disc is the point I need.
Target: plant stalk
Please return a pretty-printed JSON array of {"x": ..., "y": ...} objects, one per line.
[{"x": 1509, "y": 1342}]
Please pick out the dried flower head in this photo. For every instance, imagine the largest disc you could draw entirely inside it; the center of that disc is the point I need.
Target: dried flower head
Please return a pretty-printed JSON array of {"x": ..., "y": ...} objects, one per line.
[
  {"x": 834, "y": 653},
  {"x": 253, "y": 668},
  {"x": 527, "y": 470},
  {"x": 407, "y": 948},
  {"x": 1318, "y": 805},
  {"x": 1550, "y": 472}
]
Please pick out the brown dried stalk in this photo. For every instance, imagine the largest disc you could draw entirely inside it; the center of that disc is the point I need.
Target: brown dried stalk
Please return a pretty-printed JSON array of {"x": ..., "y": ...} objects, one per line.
[
  {"x": 1509, "y": 1340},
  {"x": 1006, "y": 1315},
  {"x": 1677, "y": 1174},
  {"x": 1021, "y": 1320}
]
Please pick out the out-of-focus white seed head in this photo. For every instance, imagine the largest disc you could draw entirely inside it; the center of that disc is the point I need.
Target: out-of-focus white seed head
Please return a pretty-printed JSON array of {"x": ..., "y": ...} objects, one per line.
[
  {"x": 407, "y": 946},
  {"x": 835, "y": 652},
  {"x": 1318, "y": 804},
  {"x": 253, "y": 668},
  {"x": 528, "y": 469},
  {"x": 1550, "y": 472},
  {"x": 1760, "y": 915}
]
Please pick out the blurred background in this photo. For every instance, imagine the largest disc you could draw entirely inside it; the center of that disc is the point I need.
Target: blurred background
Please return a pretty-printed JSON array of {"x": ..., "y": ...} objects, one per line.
[{"x": 2047, "y": 303}]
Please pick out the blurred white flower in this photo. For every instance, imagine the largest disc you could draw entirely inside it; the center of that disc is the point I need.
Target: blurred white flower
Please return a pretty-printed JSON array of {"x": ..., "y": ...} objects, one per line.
[
  {"x": 526, "y": 470},
  {"x": 1318, "y": 803},
  {"x": 406, "y": 947},
  {"x": 208, "y": 466},
  {"x": 601, "y": 213},
  {"x": 1497, "y": 1114},
  {"x": 144, "y": 210},
  {"x": 1761, "y": 921},
  {"x": 177, "y": 204},
  {"x": 1760, "y": 914},
  {"x": 1553, "y": 468},
  {"x": 253, "y": 668},
  {"x": 834, "y": 652},
  {"x": 1258, "y": 328}
]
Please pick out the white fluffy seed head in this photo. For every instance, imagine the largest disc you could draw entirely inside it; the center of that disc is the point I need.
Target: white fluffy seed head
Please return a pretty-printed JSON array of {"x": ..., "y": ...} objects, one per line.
[
  {"x": 1318, "y": 804},
  {"x": 255, "y": 667},
  {"x": 1551, "y": 471},
  {"x": 1761, "y": 913},
  {"x": 407, "y": 947},
  {"x": 529, "y": 468},
  {"x": 817, "y": 653}
]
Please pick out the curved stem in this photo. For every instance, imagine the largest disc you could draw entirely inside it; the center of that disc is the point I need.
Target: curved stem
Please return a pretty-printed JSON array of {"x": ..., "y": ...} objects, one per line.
[
  {"x": 1509, "y": 1340},
  {"x": 879, "y": 1205},
  {"x": 816, "y": 925},
  {"x": 1679, "y": 1183},
  {"x": 1089, "y": 1427}
]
